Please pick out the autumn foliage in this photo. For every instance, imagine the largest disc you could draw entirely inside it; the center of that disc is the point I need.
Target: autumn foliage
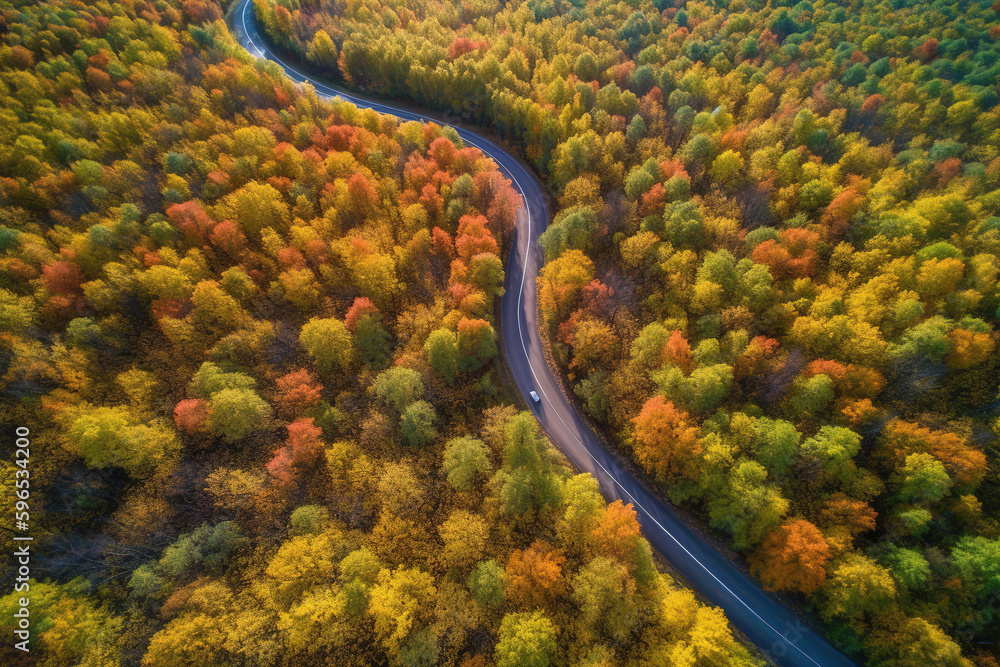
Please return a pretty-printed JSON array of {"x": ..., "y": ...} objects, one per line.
[
  {"x": 792, "y": 557},
  {"x": 762, "y": 237},
  {"x": 666, "y": 440},
  {"x": 256, "y": 327},
  {"x": 771, "y": 275}
]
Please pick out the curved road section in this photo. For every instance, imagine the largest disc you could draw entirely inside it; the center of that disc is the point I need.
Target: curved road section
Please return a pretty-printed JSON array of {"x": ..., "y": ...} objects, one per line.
[{"x": 778, "y": 633}]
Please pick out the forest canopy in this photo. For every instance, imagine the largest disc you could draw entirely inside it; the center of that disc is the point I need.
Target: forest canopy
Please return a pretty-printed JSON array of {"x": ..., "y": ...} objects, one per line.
[
  {"x": 772, "y": 272},
  {"x": 252, "y": 335}
]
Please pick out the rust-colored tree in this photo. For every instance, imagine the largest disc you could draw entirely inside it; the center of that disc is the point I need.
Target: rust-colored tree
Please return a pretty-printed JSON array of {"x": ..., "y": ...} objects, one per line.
[
  {"x": 666, "y": 440},
  {"x": 792, "y": 557},
  {"x": 297, "y": 392},
  {"x": 535, "y": 576}
]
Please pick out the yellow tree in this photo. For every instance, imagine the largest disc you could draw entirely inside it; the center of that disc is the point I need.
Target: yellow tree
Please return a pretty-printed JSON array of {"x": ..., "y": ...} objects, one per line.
[
  {"x": 401, "y": 601},
  {"x": 464, "y": 535},
  {"x": 560, "y": 282}
]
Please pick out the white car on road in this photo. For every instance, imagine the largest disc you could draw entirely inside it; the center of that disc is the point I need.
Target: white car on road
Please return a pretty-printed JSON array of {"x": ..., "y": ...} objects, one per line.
[{"x": 534, "y": 396}]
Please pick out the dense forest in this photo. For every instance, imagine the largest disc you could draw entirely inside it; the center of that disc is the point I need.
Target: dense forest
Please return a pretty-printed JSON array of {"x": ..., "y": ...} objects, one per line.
[
  {"x": 251, "y": 333},
  {"x": 772, "y": 275}
]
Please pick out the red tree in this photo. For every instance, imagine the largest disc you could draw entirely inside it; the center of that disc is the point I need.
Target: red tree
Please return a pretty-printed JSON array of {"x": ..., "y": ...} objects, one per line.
[
  {"x": 652, "y": 201},
  {"x": 441, "y": 244},
  {"x": 62, "y": 277},
  {"x": 618, "y": 535},
  {"x": 463, "y": 45},
  {"x": 473, "y": 237},
  {"x": 362, "y": 194},
  {"x": 795, "y": 257},
  {"x": 443, "y": 152},
  {"x": 362, "y": 306},
  {"x": 597, "y": 299},
  {"x": 839, "y": 212},
  {"x": 929, "y": 49},
  {"x": 290, "y": 258},
  {"x": 192, "y": 220},
  {"x": 190, "y": 414},
  {"x": 304, "y": 441},
  {"x": 297, "y": 392}
]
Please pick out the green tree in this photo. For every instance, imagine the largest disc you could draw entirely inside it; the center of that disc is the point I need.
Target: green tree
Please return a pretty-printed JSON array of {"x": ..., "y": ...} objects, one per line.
[
  {"x": 916, "y": 520},
  {"x": 207, "y": 545},
  {"x": 235, "y": 413},
  {"x": 909, "y": 568},
  {"x": 636, "y": 129},
  {"x": 604, "y": 592},
  {"x": 420, "y": 649},
  {"x": 417, "y": 423},
  {"x": 776, "y": 445},
  {"x": 372, "y": 341},
  {"x": 977, "y": 559},
  {"x": 487, "y": 581},
  {"x": 572, "y": 229},
  {"x": 647, "y": 348},
  {"x": 835, "y": 448},
  {"x": 464, "y": 458},
  {"x": 399, "y": 387},
  {"x": 329, "y": 343},
  {"x": 529, "y": 481},
  {"x": 144, "y": 581},
  {"x": 526, "y": 640},
  {"x": 210, "y": 379},
  {"x": 924, "y": 478},
  {"x": 748, "y": 508},
  {"x": 442, "y": 353},
  {"x": 706, "y": 386},
  {"x": 308, "y": 520},
  {"x": 638, "y": 182},
  {"x": 486, "y": 273},
  {"x": 810, "y": 397}
]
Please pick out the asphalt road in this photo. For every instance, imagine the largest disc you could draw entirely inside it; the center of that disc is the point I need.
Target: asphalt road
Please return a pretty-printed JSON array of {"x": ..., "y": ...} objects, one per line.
[{"x": 778, "y": 633}]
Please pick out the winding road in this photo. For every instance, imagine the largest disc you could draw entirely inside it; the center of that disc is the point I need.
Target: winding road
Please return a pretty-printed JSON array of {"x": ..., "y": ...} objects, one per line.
[{"x": 776, "y": 631}]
